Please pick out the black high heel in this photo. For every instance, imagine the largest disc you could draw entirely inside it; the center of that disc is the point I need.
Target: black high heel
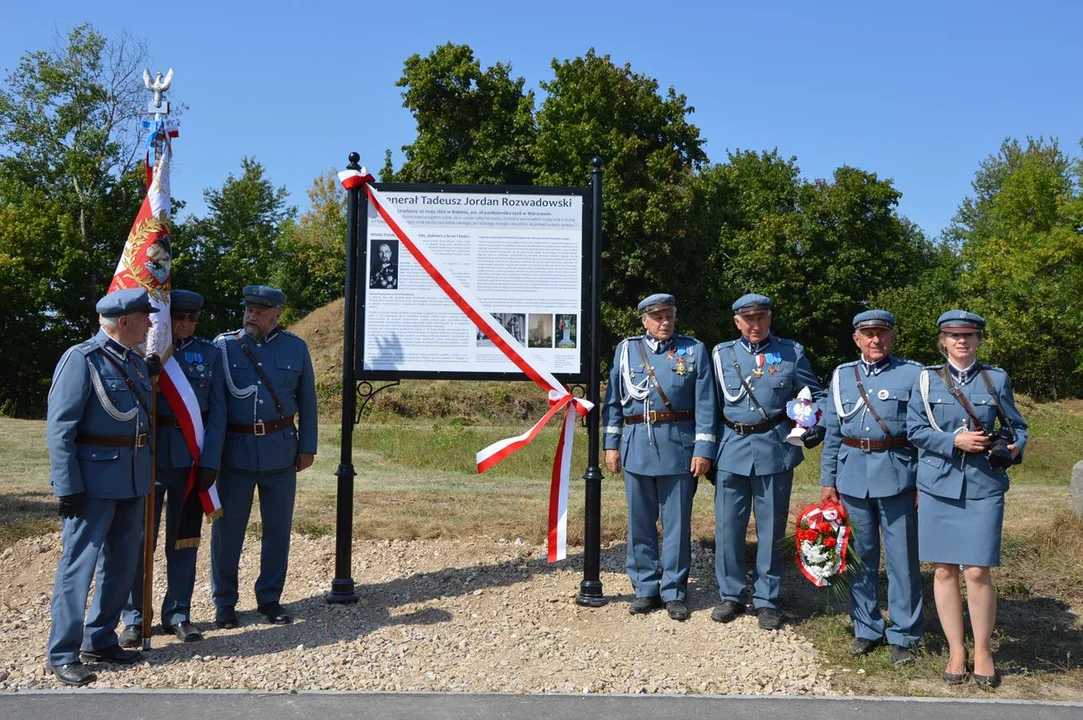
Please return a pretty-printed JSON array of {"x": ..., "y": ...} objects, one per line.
[{"x": 959, "y": 678}]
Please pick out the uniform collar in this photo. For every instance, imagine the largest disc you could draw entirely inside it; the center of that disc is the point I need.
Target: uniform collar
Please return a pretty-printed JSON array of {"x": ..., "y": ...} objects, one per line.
[
  {"x": 657, "y": 345},
  {"x": 181, "y": 344},
  {"x": 965, "y": 375},
  {"x": 275, "y": 332},
  {"x": 113, "y": 347},
  {"x": 756, "y": 348},
  {"x": 872, "y": 369}
]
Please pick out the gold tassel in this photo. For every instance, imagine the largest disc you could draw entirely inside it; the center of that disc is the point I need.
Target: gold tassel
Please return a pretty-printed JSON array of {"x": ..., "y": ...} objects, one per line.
[
  {"x": 214, "y": 515},
  {"x": 185, "y": 544}
]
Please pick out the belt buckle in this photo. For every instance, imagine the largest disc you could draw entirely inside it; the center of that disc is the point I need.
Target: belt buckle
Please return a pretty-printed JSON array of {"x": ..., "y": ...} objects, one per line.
[
  {"x": 652, "y": 416},
  {"x": 740, "y": 428},
  {"x": 141, "y": 440},
  {"x": 258, "y": 429},
  {"x": 866, "y": 445}
]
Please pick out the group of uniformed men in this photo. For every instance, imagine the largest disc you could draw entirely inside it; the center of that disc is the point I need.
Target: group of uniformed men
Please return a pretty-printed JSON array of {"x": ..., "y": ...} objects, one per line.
[
  {"x": 257, "y": 395},
  {"x": 672, "y": 411}
]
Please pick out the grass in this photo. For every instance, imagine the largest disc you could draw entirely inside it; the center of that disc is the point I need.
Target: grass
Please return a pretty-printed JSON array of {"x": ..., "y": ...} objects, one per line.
[{"x": 415, "y": 479}]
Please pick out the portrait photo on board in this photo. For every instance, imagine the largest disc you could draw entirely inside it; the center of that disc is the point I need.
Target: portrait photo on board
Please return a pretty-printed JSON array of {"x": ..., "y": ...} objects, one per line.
[{"x": 384, "y": 265}]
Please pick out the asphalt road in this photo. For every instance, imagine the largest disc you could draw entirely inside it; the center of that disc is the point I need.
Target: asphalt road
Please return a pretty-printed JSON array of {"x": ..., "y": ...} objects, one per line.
[{"x": 237, "y": 705}]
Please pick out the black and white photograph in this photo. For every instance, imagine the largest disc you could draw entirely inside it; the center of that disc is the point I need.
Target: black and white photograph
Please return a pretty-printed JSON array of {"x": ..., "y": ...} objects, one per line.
[
  {"x": 514, "y": 323},
  {"x": 384, "y": 265}
]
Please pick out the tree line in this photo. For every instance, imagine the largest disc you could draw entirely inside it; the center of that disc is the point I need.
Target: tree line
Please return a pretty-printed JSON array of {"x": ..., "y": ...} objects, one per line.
[{"x": 673, "y": 220}]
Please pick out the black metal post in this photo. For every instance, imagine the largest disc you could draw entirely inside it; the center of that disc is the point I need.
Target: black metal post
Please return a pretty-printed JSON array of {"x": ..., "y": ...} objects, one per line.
[
  {"x": 590, "y": 589},
  {"x": 342, "y": 587}
]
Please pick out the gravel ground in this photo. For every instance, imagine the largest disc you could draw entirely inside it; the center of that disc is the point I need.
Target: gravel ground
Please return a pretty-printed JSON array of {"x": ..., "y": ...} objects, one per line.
[{"x": 477, "y": 615}]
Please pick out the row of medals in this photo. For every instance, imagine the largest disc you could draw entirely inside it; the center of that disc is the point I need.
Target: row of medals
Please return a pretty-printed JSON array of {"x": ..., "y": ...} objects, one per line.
[
  {"x": 772, "y": 360},
  {"x": 683, "y": 366}
]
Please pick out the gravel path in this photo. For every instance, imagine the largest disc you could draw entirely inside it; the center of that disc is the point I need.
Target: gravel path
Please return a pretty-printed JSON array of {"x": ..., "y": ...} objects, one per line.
[{"x": 478, "y": 615}]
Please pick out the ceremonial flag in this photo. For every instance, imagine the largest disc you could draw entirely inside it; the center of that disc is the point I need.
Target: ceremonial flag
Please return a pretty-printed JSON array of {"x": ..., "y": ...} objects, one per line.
[{"x": 146, "y": 263}]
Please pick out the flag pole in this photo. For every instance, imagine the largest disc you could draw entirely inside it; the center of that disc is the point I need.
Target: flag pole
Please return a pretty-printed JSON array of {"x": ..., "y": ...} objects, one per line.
[{"x": 148, "y": 519}]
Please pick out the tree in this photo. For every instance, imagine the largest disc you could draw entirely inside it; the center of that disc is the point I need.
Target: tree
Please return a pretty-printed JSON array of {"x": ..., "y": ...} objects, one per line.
[
  {"x": 311, "y": 267},
  {"x": 650, "y": 150},
  {"x": 238, "y": 243},
  {"x": 69, "y": 189},
  {"x": 473, "y": 127},
  {"x": 1021, "y": 237}
]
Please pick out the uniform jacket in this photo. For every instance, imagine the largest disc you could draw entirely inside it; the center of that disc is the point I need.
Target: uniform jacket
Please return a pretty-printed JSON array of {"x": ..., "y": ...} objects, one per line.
[
  {"x": 285, "y": 361},
  {"x": 768, "y": 452},
  {"x": 854, "y": 472},
  {"x": 202, "y": 365},
  {"x": 89, "y": 395},
  {"x": 683, "y": 370},
  {"x": 943, "y": 470}
]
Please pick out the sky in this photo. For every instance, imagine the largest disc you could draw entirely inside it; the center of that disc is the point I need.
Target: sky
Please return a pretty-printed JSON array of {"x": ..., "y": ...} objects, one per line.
[{"x": 919, "y": 92}]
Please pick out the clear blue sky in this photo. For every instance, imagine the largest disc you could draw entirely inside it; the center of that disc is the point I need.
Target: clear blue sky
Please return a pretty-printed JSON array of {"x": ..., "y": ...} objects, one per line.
[{"x": 916, "y": 91}]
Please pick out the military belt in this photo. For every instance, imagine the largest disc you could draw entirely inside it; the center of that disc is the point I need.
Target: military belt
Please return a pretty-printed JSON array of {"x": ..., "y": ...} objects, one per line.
[
  {"x": 655, "y": 417},
  {"x": 870, "y": 445},
  {"x": 261, "y": 428},
  {"x": 753, "y": 428},
  {"x": 136, "y": 441}
]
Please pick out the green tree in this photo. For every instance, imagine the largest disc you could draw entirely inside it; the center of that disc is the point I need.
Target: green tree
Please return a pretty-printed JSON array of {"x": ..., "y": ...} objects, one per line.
[
  {"x": 238, "y": 243},
  {"x": 650, "y": 150},
  {"x": 1021, "y": 237},
  {"x": 69, "y": 190},
  {"x": 311, "y": 267},
  {"x": 473, "y": 127}
]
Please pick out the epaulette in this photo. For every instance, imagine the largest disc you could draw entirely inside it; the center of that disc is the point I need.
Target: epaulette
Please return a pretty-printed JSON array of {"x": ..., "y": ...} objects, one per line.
[
  {"x": 933, "y": 367},
  {"x": 86, "y": 347},
  {"x": 726, "y": 343},
  {"x": 906, "y": 361},
  {"x": 788, "y": 341},
  {"x": 203, "y": 341},
  {"x": 849, "y": 364},
  {"x": 992, "y": 367},
  {"x": 282, "y": 331}
]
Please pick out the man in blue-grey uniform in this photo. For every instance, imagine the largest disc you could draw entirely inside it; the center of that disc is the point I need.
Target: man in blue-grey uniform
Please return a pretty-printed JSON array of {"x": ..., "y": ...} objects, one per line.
[
  {"x": 269, "y": 383},
  {"x": 199, "y": 359},
  {"x": 96, "y": 429},
  {"x": 870, "y": 466},
  {"x": 757, "y": 375},
  {"x": 660, "y": 414}
]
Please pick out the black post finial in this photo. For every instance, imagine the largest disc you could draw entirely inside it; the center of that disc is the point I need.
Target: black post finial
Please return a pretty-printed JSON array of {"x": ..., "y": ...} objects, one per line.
[
  {"x": 596, "y": 161},
  {"x": 355, "y": 160}
]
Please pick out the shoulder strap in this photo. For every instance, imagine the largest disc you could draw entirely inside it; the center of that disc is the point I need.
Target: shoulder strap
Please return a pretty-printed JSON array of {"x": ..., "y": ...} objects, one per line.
[
  {"x": 945, "y": 375},
  {"x": 744, "y": 384},
  {"x": 865, "y": 397},
  {"x": 259, "y": 371},
  {"x": 1004, "y": 422},
  {"x": 129, "y": 382},
  {"x": 650, "y": 373}
]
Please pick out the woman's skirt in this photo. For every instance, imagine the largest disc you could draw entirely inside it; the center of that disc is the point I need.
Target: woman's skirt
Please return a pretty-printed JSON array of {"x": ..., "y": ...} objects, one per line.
[{"x": 960, "y": 532}]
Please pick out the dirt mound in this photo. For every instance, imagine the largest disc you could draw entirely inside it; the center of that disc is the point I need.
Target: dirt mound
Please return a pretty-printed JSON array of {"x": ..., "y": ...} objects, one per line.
[{"x": 472, "y": 402}]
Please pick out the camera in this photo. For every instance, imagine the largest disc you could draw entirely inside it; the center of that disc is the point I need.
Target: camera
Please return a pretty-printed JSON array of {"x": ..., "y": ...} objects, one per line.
[{"x": 1000, "y": 455}]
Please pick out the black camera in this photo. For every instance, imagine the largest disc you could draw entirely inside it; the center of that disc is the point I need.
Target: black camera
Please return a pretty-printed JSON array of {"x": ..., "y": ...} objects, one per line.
[{"x": 1000, "y": 455}]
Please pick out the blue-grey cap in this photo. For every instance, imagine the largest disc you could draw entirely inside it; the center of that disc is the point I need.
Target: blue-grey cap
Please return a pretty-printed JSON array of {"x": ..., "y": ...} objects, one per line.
[
  {"x": 122, "y": 302},
  {"x": 954, "y": 320},
  {"x": 263, "y": 295},
  {"x": 656, "y": 302},
  {"x": 874, "y": 319},
  {"x": 751, "y": 303},
  {"x": 185, "y": 301}
]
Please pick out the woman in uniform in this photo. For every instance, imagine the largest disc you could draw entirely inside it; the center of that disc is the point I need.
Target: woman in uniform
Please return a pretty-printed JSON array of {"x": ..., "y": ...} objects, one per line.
[{"x": 963, "y": 420}]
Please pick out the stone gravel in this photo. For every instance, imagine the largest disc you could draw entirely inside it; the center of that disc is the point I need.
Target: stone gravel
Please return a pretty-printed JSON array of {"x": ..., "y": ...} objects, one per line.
[{"x": 474, "y": 615}]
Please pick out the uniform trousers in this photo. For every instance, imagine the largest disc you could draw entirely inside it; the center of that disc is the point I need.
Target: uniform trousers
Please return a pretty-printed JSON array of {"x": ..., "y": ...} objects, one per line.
[
  {"x": 734, "y": 498},
  {"x": 180, "y": 565},
  {"x": 897, "y": 518},
  {"x": 277, "y": 489},
  {"x": 102, "y": 545},
  {"x": 651, "y": 496}
]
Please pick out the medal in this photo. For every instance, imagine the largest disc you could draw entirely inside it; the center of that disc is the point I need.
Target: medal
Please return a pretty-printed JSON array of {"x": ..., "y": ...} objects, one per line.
[
  {"x": 681, "y": 368},
  {"x": 681, "y": 351},
  {"x": 200, "y": 367},
  {"x": 772, "y": 369},
  {"x": 758, "y": 373},
  {"x": 691, "y": 351},
  {"x": 883, "y": 394}
]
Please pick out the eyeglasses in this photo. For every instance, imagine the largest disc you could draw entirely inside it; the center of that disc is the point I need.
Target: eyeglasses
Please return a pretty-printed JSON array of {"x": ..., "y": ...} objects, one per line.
[{"x": 185, "y": 317}]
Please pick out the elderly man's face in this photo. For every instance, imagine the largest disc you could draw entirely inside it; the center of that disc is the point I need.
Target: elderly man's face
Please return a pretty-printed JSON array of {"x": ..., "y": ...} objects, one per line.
[
  {"x": 754, "y": 326},
  {"x": 874, "y": 342},
  {"x": 133, "y": 328},
  {"x": 385, "y": 254},
  {"x": 184, "y": 324},
  {"x": 660, "y": 324},
  {"x": 259, "y": 320}
]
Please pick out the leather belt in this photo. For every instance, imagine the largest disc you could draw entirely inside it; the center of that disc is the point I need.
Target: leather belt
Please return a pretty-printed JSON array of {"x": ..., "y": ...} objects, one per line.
[
  {"x": 655, "y": 416},
  {"x": 870, "y": 445},
  {"x": 753, "y": 428},
  {"x": 137, "y": 441},
  {"x": 261, "y": 428}
]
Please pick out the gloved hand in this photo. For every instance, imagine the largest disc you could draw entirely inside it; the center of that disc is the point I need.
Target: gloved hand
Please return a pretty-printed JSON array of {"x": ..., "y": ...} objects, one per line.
[
  {"x": 207, "y": 476},
  {"x": 814, "y": 436},
  {"x": 154, "y": 365},
  {"x": 71, "y": 506}
]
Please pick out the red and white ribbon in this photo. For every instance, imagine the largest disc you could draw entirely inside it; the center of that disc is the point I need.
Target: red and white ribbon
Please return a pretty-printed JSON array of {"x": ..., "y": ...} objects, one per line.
[{"x": 559, "y": 396}]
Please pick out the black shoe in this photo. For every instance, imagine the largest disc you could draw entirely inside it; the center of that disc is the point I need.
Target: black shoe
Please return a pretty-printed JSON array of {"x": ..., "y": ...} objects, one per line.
[
  {"x": 901, "y": 655},
  {"x": 863, "y": 646},
  {"x": 770, "y": 619},
  {"x": 226, "y": 618},
  {"x": 643, "y": 605},
  {"x": 987, "y": 682},
  {"x": 955, "y": 678},
  {"x": 274, "y": 613},
  {"x": 726, "y": 611},
  {"x": 113, "y": 654},
  {"x": 130, "y": 637},
  {"x": 677, "y": 610},
  {"x": 75, "y": 674},
  {"x": 184, "y": 630}
]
